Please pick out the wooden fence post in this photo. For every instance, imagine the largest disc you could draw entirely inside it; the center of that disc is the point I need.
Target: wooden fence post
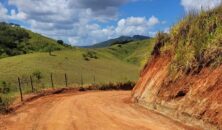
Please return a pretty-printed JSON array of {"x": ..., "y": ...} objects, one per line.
[
  {"x": 52, "y": 80},
  {"x": 20, "y": 89},
  {"x": 66, "y": 80},
  {"x": 81, "y": 80},
  {"x": 94, "y": 79},
  {"x": 31, "y": 83}
]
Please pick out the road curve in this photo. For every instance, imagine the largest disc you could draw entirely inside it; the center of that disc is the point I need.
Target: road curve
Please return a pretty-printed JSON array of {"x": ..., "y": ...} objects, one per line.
[{"x": 109, "y": 110}]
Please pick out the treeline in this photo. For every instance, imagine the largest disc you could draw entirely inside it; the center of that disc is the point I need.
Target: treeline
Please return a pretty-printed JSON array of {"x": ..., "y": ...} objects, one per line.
[
  {"x": 121, "y": 42},
  {"x": 12, "y": 39},
  {"x": 15, "y": 40}
]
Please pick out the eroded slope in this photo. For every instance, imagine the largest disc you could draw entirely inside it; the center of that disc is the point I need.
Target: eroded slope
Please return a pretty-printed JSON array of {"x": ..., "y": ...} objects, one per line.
[{"x": 183, "y": 79}]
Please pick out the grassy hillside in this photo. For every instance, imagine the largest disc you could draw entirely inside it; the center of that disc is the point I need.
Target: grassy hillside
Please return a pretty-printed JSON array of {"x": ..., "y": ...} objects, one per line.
[
  {"x": 195, "y": 41},
  {"x": 113, "y": 64},
  {"x": 70, "y": 62},
  {"x": 117, "y": 63},
  {"x": 15, "y": 40},
  {"x": 137, "y": 52},
  {"x": 42, "y": 43}
]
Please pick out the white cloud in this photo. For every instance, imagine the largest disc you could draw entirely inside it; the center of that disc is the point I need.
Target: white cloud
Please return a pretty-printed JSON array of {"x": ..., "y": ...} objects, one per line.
[
  {"x": 197, "y": 5},
  {"x": 93, "y": 33},
  {"x": 77, "y": 21},
  {"x": 153, "y": 21},
  {"x": 3, "y": 13},
  {"x": 135, "y": 25}
]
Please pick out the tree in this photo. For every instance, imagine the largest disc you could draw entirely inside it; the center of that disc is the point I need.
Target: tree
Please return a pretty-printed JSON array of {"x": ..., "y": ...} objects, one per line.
[{"x": 60, "y": 42}]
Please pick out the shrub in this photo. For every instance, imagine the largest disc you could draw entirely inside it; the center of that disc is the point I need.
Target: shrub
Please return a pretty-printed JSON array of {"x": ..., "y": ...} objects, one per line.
[
  {"x": 90, "y": 55},
  {"x": 110, "y": 86},
  {"x": 161, "y": 39},
  {"x": 60, "y": 42},
  {"x": 38, "y": 75},
  {"x": 5, "y": 87},
  {"x": 118, "y": 86},
  {"x": 5, "y": 102},
  {"x": 82, "y": 89}
]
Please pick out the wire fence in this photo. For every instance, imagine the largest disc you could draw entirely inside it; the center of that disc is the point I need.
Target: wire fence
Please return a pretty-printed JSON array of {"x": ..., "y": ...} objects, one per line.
[{"x": 38, "y": 81}]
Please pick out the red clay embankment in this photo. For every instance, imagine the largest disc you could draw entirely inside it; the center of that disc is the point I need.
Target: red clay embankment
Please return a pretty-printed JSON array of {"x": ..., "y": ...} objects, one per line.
[{"x": 192, "y": 98}]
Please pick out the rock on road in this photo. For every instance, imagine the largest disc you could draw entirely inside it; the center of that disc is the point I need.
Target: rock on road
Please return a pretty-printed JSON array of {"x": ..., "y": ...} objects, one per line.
[{"x": 109, "y": 110}]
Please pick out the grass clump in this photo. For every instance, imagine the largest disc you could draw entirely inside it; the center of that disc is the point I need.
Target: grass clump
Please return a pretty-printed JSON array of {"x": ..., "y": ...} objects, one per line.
[
  {"x": 161, "y": 39},
  {"x": 5, "y": 97},
  {"x": 5, "y": 102},
  {"x": 195, "y": 42},
  {"x": 5, "y": 87}
]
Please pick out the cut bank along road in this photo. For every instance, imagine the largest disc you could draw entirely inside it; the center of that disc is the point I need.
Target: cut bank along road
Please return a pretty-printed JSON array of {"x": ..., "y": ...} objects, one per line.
[{"x": 109, "y": 110}]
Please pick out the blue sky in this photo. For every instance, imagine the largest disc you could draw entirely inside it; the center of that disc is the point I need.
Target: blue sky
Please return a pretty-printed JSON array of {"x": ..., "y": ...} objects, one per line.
[{"x": 85, "y": 22}]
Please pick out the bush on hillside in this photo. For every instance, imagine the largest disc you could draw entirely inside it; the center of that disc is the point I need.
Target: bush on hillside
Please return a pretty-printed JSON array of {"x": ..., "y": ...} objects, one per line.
[
  {"x": 60, "y": 42},
  {"x": 161, "y": 39},
  {"x": 121, "y": 42},
  {"x": 11, "y": 39},
  {"x": 5, "y": 102},
  {"x": 110, "y": 86},
  {"x": 15, "y": 40},
  {"x": 37, "y": 75},
  {"x": 5, "y": 87},
  {"x": 90, "y": 55}
]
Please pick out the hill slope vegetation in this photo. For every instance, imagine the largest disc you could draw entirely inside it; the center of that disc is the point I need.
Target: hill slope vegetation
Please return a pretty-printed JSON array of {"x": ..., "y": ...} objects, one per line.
[
  {"x": 184, "y": 76},
  {"x": 82, "y": 66},
  {"x": 14, "y": 40}
]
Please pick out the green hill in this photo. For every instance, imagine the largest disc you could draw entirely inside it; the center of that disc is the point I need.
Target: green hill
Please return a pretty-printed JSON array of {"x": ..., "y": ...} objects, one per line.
[
  {"x": 136, "y": 52},
  {"x": 24, "y": 54},
  {"x": 15, "y": 40},
  {"x": 118, "y": 63}
]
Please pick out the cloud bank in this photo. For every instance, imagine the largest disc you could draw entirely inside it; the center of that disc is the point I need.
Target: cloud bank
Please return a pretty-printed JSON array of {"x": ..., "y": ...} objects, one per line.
[
  {"x": 198, "y": 5},
  {"x": 78, "y": 22},
  {"x": 81, "y": 22}
]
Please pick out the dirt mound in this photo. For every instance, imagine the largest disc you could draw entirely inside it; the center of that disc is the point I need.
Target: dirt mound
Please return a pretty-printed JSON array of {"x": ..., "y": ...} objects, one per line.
[{"x": 192, "y": 98}]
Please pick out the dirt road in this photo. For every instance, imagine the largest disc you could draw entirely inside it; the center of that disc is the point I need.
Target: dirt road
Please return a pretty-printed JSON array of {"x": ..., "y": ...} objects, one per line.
[{"x": 87, "y": 111}]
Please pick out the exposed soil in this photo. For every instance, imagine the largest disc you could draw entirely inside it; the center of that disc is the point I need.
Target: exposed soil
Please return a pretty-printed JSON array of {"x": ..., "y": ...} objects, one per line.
[
  {"x": 193, "y": 98},
  {"x": 86, "y": 110}
]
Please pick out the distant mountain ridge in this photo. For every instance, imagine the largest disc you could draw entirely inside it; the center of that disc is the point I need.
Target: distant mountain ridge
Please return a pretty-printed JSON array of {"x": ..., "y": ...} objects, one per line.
[{"x": 119, "y": 40}]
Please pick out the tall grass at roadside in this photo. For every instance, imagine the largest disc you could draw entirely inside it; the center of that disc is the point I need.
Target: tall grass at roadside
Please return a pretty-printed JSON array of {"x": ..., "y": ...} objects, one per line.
[{"x": 195, "y": 42}]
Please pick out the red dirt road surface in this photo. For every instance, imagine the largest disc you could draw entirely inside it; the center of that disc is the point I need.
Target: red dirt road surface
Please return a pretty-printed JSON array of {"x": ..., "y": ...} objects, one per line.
[{"x": 109, "y": 110}]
